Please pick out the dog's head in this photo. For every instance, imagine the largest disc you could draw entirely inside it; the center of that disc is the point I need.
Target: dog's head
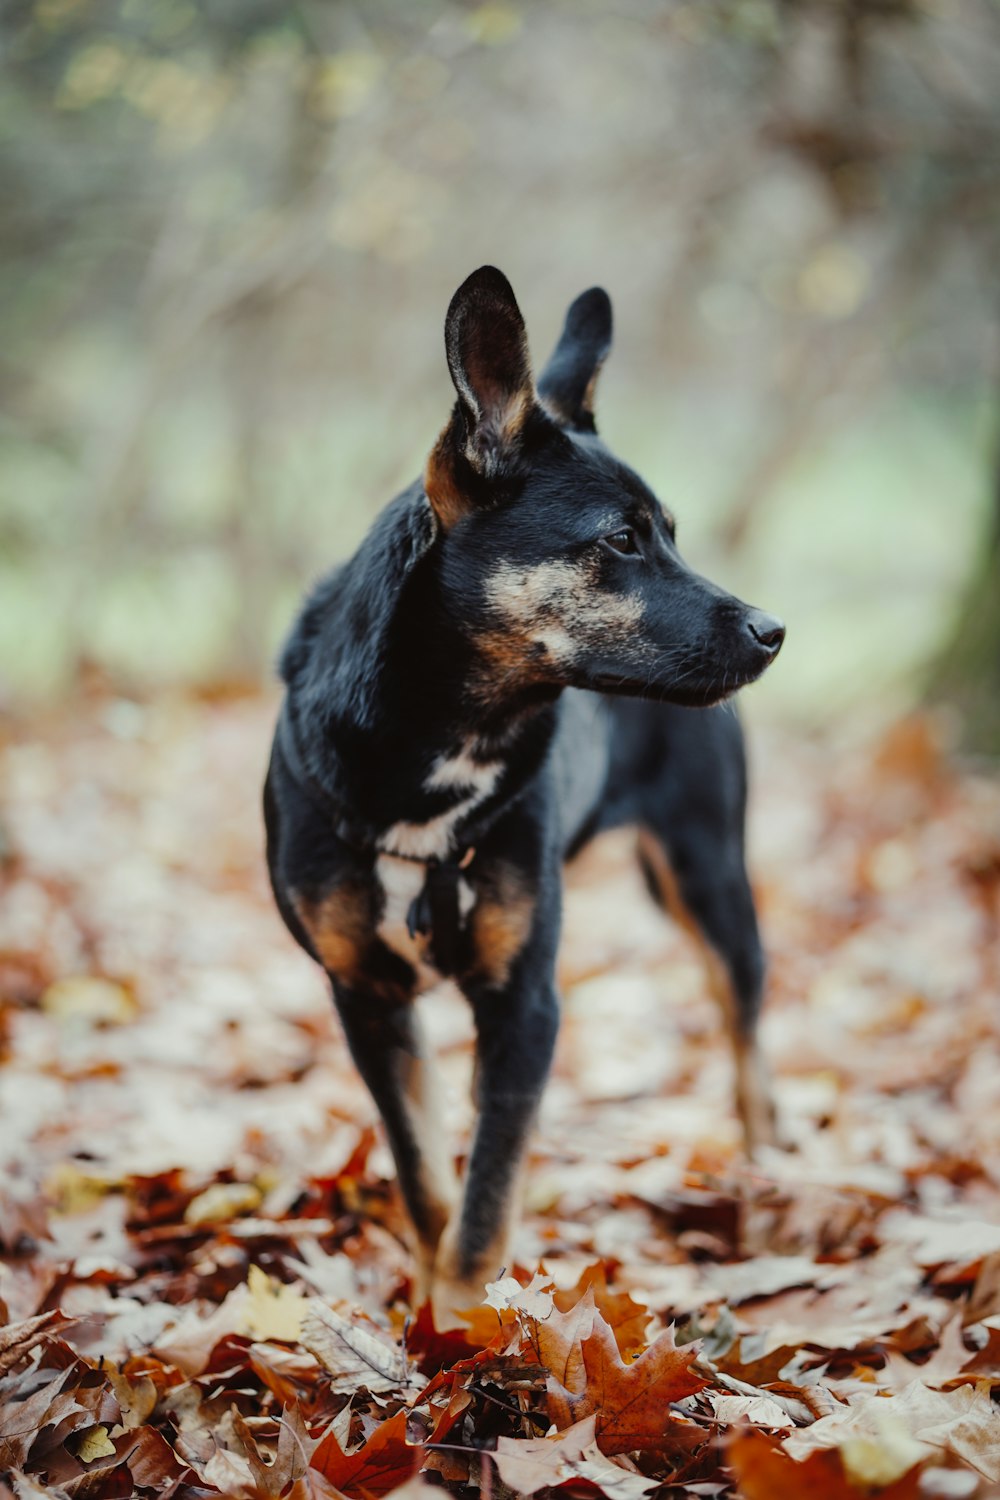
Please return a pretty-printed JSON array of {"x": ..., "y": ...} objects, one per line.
[{"x": 556, "y": 559}]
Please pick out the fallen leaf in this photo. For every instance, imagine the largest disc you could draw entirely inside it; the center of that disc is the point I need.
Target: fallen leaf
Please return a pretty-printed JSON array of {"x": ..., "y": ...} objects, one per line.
[
  {"x": 272, "y": 1310},
  {"x": 627, "y": 1318},
  {"x": 18, "y": 1339},
  {"x": 382, "y": 1462},
  {"x": 355, "y": 1356},
  {"x": 84, "y": 997},
  {"x": 527, "y": 1465},
  {"x": 223, "y": 1201},
  {"x": 631, "y": 1401},
  {"x": 95, "y": 1444}
]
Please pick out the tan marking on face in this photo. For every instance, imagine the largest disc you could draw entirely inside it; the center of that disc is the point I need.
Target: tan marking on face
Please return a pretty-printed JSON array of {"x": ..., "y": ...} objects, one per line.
[
  {"x": 754, "y": 1095},
  {"x": 560, "y": 607},
  {"x": 500, "y": 925}
]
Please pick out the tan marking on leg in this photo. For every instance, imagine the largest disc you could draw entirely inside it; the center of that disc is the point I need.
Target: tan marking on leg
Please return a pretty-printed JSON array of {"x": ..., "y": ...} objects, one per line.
[
  {"x": 438, "y": 1183},
  {"x": 753, "y": 1092},
  {"x": 500, "y": 925},
  {"x": 456, "y": 1288},
  {"x": 339, "y": 924}
]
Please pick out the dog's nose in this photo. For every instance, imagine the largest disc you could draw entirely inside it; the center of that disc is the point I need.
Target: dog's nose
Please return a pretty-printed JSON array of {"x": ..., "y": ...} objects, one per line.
[{"x": 766, "y": 630}]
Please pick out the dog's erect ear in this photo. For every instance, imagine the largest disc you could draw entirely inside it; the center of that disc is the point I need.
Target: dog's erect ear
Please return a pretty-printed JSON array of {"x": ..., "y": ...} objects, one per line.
[
  {"x": 569, "y": 380},
  {"x": 487, "y": 351}
]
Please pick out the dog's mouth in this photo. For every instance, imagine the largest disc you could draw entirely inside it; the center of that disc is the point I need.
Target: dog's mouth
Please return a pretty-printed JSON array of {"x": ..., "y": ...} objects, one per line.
[{"x": 696, "y": 689}]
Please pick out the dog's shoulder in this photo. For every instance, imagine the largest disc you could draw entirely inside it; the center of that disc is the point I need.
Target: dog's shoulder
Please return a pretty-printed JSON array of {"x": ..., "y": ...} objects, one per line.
[
  {"x": 331, "y": 654},
  {"x": 355, "y": 599}
]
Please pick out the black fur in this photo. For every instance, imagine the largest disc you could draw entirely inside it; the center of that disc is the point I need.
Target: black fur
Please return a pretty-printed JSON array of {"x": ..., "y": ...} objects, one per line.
[{"x": 450, "y": 671}]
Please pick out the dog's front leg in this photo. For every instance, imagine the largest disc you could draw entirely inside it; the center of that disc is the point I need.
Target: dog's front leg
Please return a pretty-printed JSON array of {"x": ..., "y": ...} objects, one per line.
[
  {"x": 516, "y": 1031},
  {"x": 386, "y": 1044}
]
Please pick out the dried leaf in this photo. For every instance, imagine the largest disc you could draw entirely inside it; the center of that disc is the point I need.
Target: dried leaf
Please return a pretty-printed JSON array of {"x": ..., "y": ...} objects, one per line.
[
  {"x": 18, "y": 1339},
  {"x": 95, "y": 1444},
  {"x": 384, "y": 1461},
  {"x": 354, "y": 1355},
  {"x": 529, "y": 1464},
  {"x": 223, "y": 1201},
  {"x": 273, "y": 1310},
  {"x": 631, "y": 1401}
]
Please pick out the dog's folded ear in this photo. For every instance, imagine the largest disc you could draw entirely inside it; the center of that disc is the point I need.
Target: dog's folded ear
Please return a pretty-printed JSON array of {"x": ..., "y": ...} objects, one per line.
[
  {"x": 569, "y": 380},
  {"x": 487, "y": 349}
]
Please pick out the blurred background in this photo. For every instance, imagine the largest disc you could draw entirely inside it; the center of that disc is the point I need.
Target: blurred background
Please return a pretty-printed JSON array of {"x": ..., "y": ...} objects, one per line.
[{"x": 231, "y": 229}]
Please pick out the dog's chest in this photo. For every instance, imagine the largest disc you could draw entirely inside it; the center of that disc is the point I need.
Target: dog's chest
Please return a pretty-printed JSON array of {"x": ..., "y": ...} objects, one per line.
[
  {"x": 400, "y": 868},
  {"x": 401, "y": 881},
  {"x": 467, "y": 782}
]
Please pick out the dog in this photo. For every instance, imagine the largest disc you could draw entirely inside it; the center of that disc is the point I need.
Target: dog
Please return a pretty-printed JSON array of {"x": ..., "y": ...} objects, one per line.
[{"x": 515, "y": 658}]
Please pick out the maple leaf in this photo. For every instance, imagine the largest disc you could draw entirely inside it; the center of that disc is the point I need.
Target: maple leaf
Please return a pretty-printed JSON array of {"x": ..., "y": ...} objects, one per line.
[
  {"x": 627, "y": 1318},
  {"x": 381, "y": 1463},
  {"x": 630, "y": 1400},
  {"x": 557, "y": 1341}
]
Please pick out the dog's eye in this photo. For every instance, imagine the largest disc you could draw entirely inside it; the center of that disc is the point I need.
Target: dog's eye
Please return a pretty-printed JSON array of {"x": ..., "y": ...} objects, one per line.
[{"x": 622, "y": 541}]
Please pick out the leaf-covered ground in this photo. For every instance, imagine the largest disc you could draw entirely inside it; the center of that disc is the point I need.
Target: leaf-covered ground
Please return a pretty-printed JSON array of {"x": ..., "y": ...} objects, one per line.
[{"x": 204, "y": 1285}]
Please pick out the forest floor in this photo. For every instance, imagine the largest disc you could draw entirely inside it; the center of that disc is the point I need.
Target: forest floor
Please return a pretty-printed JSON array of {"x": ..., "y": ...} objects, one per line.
[{"x": 204, "y": 1280}]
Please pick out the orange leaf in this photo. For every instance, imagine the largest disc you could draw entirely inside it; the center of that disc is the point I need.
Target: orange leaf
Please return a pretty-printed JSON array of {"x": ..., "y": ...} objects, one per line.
[
  {"x": 378, "y": 1466},
  {"x": 762, "y": 1470}
]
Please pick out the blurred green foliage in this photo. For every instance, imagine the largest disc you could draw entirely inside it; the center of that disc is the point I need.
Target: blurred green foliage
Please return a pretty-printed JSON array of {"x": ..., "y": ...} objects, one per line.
[{"x": 232, "y": 227}]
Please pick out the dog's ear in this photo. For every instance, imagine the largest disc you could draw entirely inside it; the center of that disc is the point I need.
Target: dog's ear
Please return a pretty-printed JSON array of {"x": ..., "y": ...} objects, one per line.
[
  {"x": 487, "y": 349},
  {"x": 569, "y": 380}
]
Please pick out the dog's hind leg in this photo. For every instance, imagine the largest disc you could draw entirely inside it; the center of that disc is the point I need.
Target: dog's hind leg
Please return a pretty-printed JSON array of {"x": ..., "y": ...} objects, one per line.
[
  {"x": 387, "y": 1047},
  {"x": 698, "y": 874}
]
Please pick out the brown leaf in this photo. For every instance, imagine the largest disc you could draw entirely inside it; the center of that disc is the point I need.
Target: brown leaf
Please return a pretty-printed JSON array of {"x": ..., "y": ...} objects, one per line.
[
  {"x": 18, "y": 1339},
  {"x": 557, "y": 1341},
  {"x": 355, "y": 1355},
  {"x": 631, "y": 1400},
  {"x": 627, "y": 1318}
]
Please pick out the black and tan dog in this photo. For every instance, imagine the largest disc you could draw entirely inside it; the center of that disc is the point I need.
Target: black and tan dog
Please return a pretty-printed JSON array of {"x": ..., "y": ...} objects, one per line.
[{"x": 515, "y": 657}]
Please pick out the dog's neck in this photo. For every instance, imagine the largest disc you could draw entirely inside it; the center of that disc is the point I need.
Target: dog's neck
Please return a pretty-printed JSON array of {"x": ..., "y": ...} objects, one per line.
[{"x": 391, "y": 725}]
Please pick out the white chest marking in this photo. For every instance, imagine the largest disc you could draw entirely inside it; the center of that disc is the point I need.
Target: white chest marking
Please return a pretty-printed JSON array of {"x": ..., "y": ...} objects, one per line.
[
  {"x": 401, "y": 880},
  {"x": 432, "y": 840}
]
